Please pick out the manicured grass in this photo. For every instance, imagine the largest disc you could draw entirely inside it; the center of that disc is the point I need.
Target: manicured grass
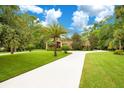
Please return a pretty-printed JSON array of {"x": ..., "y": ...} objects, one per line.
[
  {"x": 16, "y": 64},
  {"x": 103, "y": 70}
]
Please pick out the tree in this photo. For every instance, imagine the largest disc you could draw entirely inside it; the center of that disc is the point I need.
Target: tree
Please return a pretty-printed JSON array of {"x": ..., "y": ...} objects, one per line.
[
  {"x": 119, "y": 13},
  {"x": 105, "y": 36},
  {"x": 39, "y": 37},
  {"x": 119, "y": 25},
  {"x": 30, "y": 47},
  {"x": 93, "y": 40},
  {"x": 8, "y": 14},
  {"x": 119, "y": 36},
  {"x": 77, "y": 43},
  {"x": 27, "y": 28},
  {"x": 10, "y": 38},
  {"x": 54, "y": 32},
  {"x": 8, "y": 18},
  {"x": 1, "y": 26},
  {"x": 22, "y": 23}
]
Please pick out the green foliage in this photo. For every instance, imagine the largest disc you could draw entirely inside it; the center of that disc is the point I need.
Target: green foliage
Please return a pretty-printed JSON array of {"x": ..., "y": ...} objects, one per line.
[
  {"x": 65, "y": 48},
  {"x": 76, "y": 45},
  {"x": 30, "y": 47},
  {"x": 105, "y": 36},
  {"x": 119, "y": 36},
  {"x": 10, "y": 38},
  {"x": 18, "y": 31},
  {"x": 39, "y": 39},
  {"x": 76, "y": 38},
  {"x": 110, "y": 46},
  {"x": 119, "y": 52},
  {"x": 8, "y": 14},
  {"x": 50, "y": 44},
  {"x": 54, "y": 31},
  {"x": 93, "y": 40},
  {"x": 119, "y": 13}
]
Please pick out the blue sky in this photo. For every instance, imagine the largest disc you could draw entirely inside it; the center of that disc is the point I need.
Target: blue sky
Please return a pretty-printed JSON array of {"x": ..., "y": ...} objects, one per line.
[{"x": 74, "y": 18}]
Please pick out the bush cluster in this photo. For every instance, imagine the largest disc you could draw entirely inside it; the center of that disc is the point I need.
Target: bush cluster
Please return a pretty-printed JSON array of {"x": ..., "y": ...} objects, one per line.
[
  {"x": 118, "y": 52},
  {"x": 65, "y": 48}
]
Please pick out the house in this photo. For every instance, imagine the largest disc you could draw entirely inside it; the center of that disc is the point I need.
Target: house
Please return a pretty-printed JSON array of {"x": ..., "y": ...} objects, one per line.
[
  {"x": 61, "y": 42},
  {"x": 67, "y": 42}
]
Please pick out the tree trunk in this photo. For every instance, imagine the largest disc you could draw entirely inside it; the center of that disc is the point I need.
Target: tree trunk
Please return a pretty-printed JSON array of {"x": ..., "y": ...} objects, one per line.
[
  {"x": 120, "y": 47},
  {"x": 55, "y": 48},
  {"x": 15, "y": 49},
  {"x": 46, "y": 46},
  {"x": 12, "y": 50}
]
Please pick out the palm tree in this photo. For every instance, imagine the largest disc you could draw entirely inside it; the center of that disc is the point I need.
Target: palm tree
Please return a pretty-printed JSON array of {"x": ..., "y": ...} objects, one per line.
[{"x": 55, "y": 31}]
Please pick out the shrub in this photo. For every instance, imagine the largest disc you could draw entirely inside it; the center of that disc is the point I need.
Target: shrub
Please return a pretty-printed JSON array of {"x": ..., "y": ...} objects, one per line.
[
  {"x": 30, "y": 47},
  {"x": 65, "y": 48},
  {"x": 118, "y": 52}
]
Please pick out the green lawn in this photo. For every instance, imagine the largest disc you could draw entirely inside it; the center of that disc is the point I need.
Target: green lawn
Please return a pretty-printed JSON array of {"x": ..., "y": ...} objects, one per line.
[
  {"x": 13, "y": 65},
  {"x": 103, "y": 70}
]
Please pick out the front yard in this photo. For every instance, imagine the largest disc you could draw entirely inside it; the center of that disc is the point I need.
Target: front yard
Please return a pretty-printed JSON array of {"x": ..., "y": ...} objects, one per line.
[
  {"x": 16, "y": 64},
  {"x": 103, "y": 70}
]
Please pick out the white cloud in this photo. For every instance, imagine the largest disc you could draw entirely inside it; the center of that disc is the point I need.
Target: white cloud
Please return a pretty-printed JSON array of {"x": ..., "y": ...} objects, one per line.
[
  {"x": 32, "y": 8},
  {"x": 100, "y": 11},
  {"x": 88, "y": 26},
  {"x": 81, "y": 16},
  {"x": 71, "y": 28},
  {"x": 52, "y": 16},
  {"x": 80, "y": 19},
  {"x": 91, "y": 10},
  {"x": 103, "y": 14}
]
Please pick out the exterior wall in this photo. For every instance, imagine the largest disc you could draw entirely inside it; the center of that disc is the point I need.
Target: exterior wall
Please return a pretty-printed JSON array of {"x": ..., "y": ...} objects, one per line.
[
  {"x": 62, "y": 42},
  {"x": 68, "y": 43}
]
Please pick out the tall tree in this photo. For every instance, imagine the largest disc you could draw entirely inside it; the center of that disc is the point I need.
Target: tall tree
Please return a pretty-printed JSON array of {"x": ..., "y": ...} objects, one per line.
[
  {"x": 10, "y": 38},
  {"x": 27, "y": 30},
  {"x": 119, "y": 36},
  {"x": 55, "y": 31},
  {"x": 8, "y": 14},
  {"x": 93, "y": 39},
  {"x": 77, "y": 43},
  {"x": 119, "y": 25}
]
